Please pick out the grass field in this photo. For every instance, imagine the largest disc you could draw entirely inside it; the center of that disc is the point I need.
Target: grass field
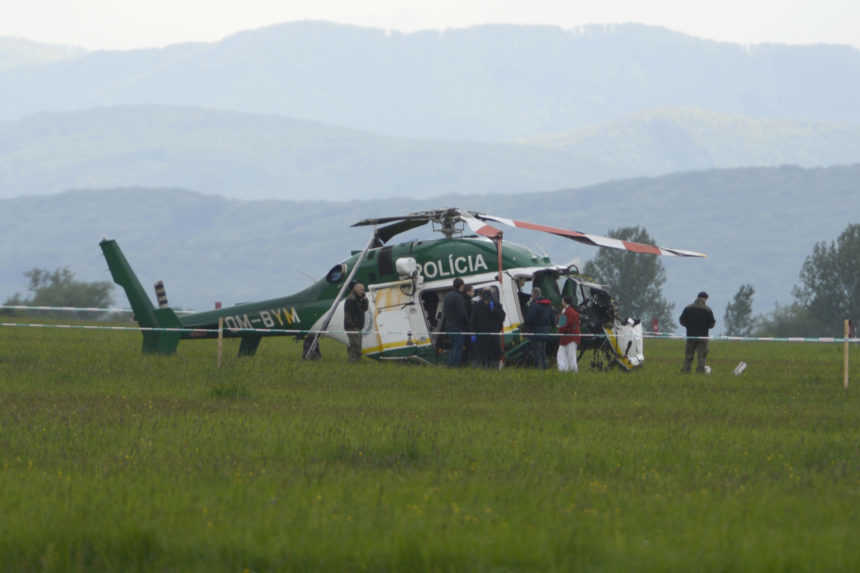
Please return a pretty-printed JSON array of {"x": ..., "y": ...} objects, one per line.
[{"x": 111, "y": 461}]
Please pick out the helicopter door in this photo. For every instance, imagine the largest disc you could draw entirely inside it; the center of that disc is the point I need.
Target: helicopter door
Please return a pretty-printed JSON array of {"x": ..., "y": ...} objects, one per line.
[
  {"x": 399, "y": 321},
  {"x": 569, "y": 289}
]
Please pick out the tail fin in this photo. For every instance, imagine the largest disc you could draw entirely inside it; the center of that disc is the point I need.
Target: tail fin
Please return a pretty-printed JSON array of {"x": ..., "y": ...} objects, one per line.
[
  {"x": 120, "y": 270},
  {"x": 144, "y": 313}
]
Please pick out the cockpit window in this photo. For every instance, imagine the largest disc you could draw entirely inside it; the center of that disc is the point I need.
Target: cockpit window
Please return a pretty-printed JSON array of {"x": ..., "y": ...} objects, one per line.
[
  {"x": 569, "y": 287},
  {"x": 336, "y": 274}
]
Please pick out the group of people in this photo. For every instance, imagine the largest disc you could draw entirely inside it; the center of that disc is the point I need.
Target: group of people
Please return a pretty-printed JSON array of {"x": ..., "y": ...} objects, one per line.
[
  {"x": 539, "y": 322},
  {"x": 462, "y": 314}
]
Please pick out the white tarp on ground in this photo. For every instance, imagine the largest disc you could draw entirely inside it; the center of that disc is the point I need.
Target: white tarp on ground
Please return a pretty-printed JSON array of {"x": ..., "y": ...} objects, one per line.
[{"x": 629, "y": 338}]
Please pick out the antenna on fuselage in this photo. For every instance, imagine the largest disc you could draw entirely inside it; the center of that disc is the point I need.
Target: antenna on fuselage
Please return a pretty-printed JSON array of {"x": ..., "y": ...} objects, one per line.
[{"x": 309, "y": 276}]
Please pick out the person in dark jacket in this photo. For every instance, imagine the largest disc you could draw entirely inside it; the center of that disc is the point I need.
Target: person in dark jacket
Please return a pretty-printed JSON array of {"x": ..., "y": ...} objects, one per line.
[
  {"x": 698, "y": 318},
  {"x": 468, "y": 295},
  {"x": 455, "y": 321},
  {"x": 487, "y": 316},
  {"x": 496, "y": 350},
  {"x": 354, "y": 309},
  {"x": 468, "y": 350},
  {"x": 539, "y": 320}
]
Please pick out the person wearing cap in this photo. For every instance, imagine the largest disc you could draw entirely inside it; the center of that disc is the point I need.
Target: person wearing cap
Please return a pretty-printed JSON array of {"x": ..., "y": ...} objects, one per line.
[
  {"x": 697, "y": 318},
  {"x": 354, "y": 309}
]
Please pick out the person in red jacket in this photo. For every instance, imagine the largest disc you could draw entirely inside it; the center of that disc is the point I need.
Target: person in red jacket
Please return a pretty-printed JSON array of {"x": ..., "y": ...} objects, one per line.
[{"x": 568, "y": 326}]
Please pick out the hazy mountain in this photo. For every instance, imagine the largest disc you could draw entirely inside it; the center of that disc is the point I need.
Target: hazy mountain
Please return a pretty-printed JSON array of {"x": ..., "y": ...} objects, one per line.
[
  {"x": 256, "y": 156},
  {"x": 19, "y": 53},
  {"x": 488, "y": 83},
  {"x": 757, "y": 226},
  {"x": 666, "y": 141},
  {"x": 252, "y": 156}
]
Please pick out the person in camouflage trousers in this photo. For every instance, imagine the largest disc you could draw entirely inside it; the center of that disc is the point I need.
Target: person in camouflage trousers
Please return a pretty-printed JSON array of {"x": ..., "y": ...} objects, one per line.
[
  {"x": 697, "y": 318},
  {"x": 353, "y": 320}
]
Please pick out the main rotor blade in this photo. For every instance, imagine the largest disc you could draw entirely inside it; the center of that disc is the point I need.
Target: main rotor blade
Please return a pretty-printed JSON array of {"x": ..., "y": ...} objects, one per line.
[
  {"x": 381, "y": 220},
  {"x": 590, "y": 239},
  {"x": 481, "y": 227},
  {"x": 384, "y": 234}
]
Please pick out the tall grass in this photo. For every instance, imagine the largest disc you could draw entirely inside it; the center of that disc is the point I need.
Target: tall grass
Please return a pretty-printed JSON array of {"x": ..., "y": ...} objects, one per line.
[{"x": 113, "y": 461}]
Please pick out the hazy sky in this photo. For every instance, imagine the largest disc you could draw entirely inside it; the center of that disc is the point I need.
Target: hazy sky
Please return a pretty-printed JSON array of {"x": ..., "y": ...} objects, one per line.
[{"x": 123, "y": 24}]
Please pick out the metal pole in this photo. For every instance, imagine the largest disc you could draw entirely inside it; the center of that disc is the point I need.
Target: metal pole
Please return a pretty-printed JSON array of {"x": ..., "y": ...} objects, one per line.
[
  {"x": 501, "y": 291},
  {"x": 847, "y": 335},
  {"x": 220, "y": 339},
  {"x": 220, "y": 334}
]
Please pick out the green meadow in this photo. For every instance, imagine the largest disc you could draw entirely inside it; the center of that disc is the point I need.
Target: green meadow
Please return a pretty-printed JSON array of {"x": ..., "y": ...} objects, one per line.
[{"x": 114, "y": 461}]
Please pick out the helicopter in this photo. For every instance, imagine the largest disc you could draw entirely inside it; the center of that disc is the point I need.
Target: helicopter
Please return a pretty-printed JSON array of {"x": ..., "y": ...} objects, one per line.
[{"x": 406, "y": 286}]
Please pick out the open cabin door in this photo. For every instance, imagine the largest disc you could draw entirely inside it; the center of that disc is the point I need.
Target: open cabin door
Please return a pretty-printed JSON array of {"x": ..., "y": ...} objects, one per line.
[{"x": 400, "y": 326}]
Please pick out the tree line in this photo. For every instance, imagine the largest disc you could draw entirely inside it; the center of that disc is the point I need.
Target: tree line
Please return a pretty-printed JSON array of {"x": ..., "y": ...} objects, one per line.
[
  {"x": 827, "y": 293},
  {"x": 60, "y": 288}
]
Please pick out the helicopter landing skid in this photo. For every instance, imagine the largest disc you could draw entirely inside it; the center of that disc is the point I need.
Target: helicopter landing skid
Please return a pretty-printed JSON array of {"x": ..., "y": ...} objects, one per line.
[
  {"x": 603, "y": 357},
  {"x": 411, "y": 358}
]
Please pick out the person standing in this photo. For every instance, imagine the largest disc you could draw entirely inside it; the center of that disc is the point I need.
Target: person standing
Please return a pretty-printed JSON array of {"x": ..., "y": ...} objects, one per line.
[
  {"x": 539, "y": 322},
  {"x": 698, "y": 318},
  {"x": 354, "y": 309},
  {"x": 496, "y": 348},
  {"x": 487, "y": 317},
  {"x": 469, "y": 352},
  {"x": 468, "y": 295},
  {"x": 568, "y": 325},
  {"x": 454, "y": 319}
]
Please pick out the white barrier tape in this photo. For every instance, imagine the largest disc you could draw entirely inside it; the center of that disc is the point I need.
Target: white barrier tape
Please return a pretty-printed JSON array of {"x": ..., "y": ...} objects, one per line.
[
  {"x": 655, "y": 335},
  {"x": 464, "y": 333},
  {"x": 79, "y": 309}
]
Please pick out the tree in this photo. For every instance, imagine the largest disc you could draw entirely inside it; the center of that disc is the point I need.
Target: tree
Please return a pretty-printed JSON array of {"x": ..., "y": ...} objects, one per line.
[
  {"x": 829, "y": 288},
  {"x": 635, "y": 279},
  {"x": 59, "y": 288},
  {"x": 738, "y": 319},
  {"x": 791, "y": 320}
]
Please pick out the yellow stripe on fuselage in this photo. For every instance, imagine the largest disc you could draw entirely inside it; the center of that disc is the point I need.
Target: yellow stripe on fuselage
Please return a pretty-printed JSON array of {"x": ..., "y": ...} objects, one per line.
[
  {"x": 402, "y": 343},
  {"x": 392, "y": 345}
]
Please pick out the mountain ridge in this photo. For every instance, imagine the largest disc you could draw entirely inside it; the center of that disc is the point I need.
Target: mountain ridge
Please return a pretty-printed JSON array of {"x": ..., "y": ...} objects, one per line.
[
  {"x": 19, "y": 52},
  {"x": 488, "y": 83},
  {"x": 255, "y": 156}
]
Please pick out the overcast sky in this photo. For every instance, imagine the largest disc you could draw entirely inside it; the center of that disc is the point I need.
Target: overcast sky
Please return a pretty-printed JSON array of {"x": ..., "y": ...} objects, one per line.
[{"x": 125, "y": 24}]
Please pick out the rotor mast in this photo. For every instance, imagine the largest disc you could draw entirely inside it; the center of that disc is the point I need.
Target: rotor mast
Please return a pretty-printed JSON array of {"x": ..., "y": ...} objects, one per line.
[{"x": 447, "y": 221}]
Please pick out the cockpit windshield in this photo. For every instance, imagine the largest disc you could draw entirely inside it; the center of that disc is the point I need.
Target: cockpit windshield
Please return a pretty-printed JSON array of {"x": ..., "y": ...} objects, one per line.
[{"x": 336, "y": 274}]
